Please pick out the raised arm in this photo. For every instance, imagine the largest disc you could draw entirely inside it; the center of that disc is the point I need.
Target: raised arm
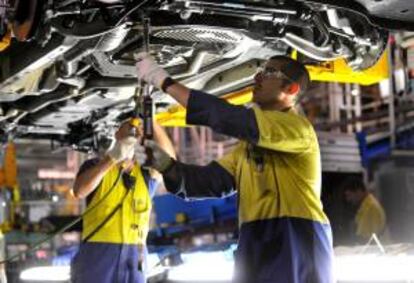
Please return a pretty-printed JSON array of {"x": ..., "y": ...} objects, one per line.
[
  {"x": 164, "y": 142},
  {"x": 193, "y": 181},
  {"x": 162, "y": 139},
  {"x": 179, "y": 92},
  {"x": 90, "y": 175},
  {"x": 202, "y": 108},
  {"x": 280, "y": 131}
]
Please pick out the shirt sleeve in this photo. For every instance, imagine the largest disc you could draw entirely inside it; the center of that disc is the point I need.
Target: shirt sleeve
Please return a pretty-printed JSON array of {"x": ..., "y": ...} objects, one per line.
[
  {"x": 372, "y": 221},
  {"x": 85, "y": 166},
  {"x": 229, "y": 161},
  {"x": 223, "y": 117},
  {"x": 274, "y": 130},
  {"x": 193, "y": 181}
]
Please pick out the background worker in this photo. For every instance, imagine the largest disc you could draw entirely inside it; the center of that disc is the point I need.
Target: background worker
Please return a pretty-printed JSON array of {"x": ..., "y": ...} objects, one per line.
[
  {"x": 370, "y": 217},
  {"x": 284, "y": 233},
  {"x": 114, "y": 234}
]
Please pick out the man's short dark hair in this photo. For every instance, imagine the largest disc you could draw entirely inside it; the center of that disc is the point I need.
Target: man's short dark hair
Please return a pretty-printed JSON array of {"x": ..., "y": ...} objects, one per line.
[
  {"x": 354, "y": 184},
  {"x": 295, "y": 70}
]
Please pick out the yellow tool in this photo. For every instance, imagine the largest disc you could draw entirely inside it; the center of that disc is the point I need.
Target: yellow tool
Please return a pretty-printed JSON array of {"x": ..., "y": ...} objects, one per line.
[{"x": 135, "y": 122}]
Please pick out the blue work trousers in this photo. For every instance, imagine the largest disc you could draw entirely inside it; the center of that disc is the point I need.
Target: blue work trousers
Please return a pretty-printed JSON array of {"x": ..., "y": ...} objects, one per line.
[{"x": 107, "y": 263}]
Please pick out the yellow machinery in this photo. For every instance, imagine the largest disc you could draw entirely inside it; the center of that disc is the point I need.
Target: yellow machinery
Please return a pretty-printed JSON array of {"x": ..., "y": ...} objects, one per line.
[
  {"x": 5, "y": 40},
  {"x": 339, "y": 71},
  {"x": 335, "y": 71},
  {"x": 8, "y": 181},
  {"x": 175, "y": 116}
]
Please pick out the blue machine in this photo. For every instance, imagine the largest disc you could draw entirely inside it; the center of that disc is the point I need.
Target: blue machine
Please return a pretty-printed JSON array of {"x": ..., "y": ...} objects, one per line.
[
  {"x": 175, "y": 215},
  {"x": 382, "y": 147}
]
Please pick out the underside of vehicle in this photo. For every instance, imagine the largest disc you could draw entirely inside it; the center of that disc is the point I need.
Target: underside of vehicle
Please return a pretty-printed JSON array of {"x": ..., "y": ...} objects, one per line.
[{"x": 67, "y": 72}]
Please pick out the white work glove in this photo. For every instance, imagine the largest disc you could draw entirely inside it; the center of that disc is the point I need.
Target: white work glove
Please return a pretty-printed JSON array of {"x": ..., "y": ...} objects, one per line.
[
  {"x": 140, "y": 155},
  {"x": 149, "y": 71},
  {"x": 123, "y": 149},
  {"x": 153, "y": 156}
]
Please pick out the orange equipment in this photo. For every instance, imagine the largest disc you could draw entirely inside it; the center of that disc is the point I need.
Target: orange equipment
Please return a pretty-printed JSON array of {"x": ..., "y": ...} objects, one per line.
[{"x": 8, "y": 181}]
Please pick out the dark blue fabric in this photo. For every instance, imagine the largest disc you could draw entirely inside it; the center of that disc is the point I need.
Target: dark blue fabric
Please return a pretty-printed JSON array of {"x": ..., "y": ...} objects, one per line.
[
  {"x": 211, "y": 180},
  {"x": 223, "y": 117},
  {"x": 106, "y": 263},
  {"x": 284, "y": 250}
]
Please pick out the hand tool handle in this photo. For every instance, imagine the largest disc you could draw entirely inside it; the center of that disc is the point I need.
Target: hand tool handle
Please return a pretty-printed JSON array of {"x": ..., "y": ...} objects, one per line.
[{"x": 147, "y": 102}]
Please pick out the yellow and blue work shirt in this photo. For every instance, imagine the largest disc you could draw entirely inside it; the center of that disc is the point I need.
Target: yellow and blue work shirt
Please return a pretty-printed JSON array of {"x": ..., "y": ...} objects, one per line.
[
  {"x": 116, "y": 251},
  {"x": 284, "y": 234},
  {"x": 130, "y": 224},
  {"x": 370, "y": 218}
]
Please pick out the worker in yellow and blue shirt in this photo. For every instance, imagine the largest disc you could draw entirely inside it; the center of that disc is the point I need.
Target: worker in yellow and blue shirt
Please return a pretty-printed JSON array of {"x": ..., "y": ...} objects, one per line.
[
  {"x": 275, "y": 169},
  {"x": 118, "y": 192},
  {"x": 370, "y": 217}
]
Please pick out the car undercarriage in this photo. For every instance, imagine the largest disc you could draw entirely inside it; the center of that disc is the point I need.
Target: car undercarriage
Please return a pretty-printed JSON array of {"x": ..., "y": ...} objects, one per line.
[{"x": 67, "y": 73}]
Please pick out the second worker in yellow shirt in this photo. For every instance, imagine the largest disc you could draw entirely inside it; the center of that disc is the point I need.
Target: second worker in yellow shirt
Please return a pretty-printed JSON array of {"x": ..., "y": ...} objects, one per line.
[{"x": 370, "y": 217}]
